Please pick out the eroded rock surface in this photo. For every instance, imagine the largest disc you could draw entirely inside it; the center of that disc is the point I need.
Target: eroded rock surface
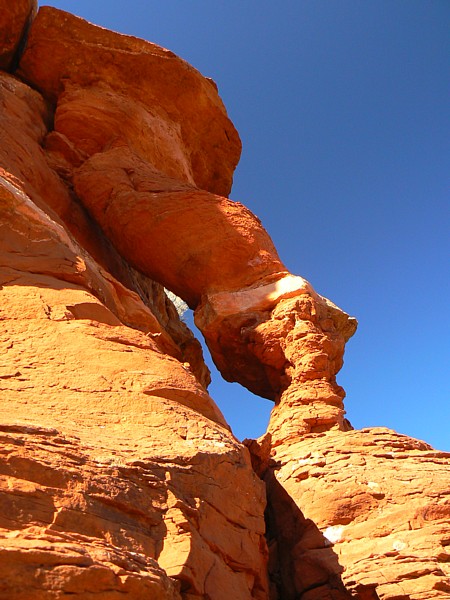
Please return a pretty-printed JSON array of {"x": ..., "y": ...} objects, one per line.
[
  {"x": 15, "y": 18},
  {"x": 357, "y": 514},
  {"x": 70, "y": 365},
  {"x": 119, "y": 475},
  {"x": 181, "y": 123}
]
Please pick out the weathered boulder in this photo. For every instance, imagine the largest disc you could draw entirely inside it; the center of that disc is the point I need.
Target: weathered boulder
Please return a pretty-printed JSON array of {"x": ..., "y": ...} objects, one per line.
[{"x": 15, "y": 18}]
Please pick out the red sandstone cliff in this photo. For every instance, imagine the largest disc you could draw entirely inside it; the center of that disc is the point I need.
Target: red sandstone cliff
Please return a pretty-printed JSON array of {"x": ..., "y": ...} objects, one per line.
[{"x": 118, "y": 473}]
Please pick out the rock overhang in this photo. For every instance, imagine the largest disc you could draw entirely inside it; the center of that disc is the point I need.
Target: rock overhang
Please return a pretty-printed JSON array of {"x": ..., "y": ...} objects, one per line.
[{"x": 63, "y": 49}]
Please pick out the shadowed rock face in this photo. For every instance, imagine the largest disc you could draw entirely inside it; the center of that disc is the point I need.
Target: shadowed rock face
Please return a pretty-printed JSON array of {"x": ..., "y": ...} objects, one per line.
[
  {"x": 14, "y": 22},
  {"x": 119, "y": 474}
]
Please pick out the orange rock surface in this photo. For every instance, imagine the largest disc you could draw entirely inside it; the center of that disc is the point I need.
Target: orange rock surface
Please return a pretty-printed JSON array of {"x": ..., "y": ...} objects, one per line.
[
  {"x": 357, "y": 514},
  {"x": 188, "y": 134},
  {"x": 15, "y": 18},
  {"x": 119, "y": 475}
]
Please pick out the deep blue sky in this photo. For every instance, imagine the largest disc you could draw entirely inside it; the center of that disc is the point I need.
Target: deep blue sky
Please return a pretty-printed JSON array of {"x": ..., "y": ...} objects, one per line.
[{"x": 343, "y": 110}]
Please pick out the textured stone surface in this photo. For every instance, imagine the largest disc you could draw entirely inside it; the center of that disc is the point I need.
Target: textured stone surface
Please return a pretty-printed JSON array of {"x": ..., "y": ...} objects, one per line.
[
  {"x": 127, "y": 196},
  {"x": 119, "y": 503},
  {"x": 118, "y": 473},
  {"x": 282, "y": 341},
  {"x": 15, "y": 18},
  {"x": 189, "y": 132},
  {"x": 68, "y": 364},
  {"x": 24, "y": 123},
  {"x": 358, "y": 514}
]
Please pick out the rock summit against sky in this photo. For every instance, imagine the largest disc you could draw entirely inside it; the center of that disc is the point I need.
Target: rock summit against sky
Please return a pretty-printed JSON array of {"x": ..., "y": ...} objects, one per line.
[{"x": 119, "y": 475}]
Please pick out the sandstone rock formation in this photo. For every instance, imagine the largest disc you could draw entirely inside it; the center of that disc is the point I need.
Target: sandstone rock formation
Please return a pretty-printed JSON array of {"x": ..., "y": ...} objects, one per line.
[
  {"x": 14, "y": 22},
  {"x": 119, "y": 475},
  {"x": 357, "y": 514}
]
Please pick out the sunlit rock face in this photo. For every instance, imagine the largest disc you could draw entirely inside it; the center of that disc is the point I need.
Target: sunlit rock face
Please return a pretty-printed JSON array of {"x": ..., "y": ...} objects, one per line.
[
  {"x": 119, "y": 474},
  {"x": 172, "y": 114},
  {"x": 356, "y": 514}
]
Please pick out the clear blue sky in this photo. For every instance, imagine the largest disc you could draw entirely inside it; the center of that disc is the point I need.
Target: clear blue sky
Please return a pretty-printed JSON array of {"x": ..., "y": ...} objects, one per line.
[{"x": 343, "y": 110}]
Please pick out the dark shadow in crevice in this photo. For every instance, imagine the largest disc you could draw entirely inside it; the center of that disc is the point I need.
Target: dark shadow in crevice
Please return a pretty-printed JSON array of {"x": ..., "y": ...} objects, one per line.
[
  {"x": 302, "y": 562},
  {"x": 23, "y": 38}
]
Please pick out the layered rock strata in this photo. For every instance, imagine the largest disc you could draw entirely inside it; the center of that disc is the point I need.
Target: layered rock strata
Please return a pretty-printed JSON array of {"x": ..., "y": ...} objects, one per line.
[
  {"x": 119, "y": 474},
  {"x": 357, "y": 514},
  {"x": 109, "y": 437}
]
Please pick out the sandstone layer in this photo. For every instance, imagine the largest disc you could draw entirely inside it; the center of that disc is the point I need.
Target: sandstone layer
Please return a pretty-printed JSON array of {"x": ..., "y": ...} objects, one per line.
[
  {"x": 119, "y": 475},
  {"x": 357, "y": 514}
]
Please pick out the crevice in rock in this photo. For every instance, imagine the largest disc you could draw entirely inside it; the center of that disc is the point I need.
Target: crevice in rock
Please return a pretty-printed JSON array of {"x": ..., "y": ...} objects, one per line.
[
  {"x": 23, "y": 39},
  {"x": 302, "y": 563}
]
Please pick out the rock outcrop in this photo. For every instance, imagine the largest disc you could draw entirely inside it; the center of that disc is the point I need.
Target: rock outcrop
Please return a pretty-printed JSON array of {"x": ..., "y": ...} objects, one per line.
[
  {"x": 119, "y": 475},
  {"x": 357, "y": 514},
  {"x": 15, "y": 19}
]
